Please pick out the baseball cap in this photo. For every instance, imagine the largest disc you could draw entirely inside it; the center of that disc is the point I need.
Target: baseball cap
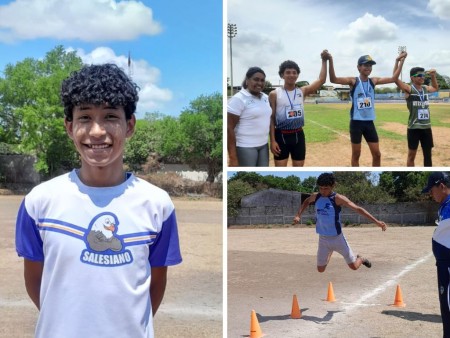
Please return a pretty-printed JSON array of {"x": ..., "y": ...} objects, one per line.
[
  {"x": 366, "y": 59},
  {"x": 434, "y": 179},
  {"x": 416, "y": 70}
]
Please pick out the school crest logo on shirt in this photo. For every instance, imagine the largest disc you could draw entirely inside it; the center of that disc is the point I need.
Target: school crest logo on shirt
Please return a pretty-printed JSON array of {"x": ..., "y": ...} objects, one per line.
[{"x": 104, "y": 246}]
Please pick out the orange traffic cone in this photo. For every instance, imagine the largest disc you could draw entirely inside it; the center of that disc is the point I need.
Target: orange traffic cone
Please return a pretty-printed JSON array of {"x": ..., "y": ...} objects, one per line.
[
  {"x": 330, "y": 296},
  {"x": 255, "y": 330},
  {"x": 398, "y": 302},
  {"x": 295, "y": 313}
]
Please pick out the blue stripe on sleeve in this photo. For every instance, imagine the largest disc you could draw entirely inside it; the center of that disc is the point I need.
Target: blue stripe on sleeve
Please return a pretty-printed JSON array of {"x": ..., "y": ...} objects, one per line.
[
  {"x": 28, "y": 240},
  {"x": 166, "y": 249}
]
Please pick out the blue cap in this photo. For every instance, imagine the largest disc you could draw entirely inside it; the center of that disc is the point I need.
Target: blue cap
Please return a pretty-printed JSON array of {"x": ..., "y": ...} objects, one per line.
[
  {"x": 434, "y": 179},
  {"x": 366, "y": 59}
]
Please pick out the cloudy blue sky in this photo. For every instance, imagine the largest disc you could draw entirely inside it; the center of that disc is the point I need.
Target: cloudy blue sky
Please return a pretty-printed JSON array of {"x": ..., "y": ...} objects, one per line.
[
  {"x": 176, "y": 46},
  {"x": 270, "y": 32}
]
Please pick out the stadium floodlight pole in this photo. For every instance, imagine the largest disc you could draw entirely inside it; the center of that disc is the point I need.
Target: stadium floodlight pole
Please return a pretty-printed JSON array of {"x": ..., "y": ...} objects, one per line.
[
  {"x": 401, "y": 49},
  {"x": 232, "y": 32}
]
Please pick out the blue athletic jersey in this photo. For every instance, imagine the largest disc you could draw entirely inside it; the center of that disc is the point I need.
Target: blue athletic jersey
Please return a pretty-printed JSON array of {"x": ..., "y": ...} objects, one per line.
[
  {"x": 98, "y": 246},
  {"x": 328, "y": 215},
  {"x": 363, "y": 101},
  {"x": 441, "y": 236}
]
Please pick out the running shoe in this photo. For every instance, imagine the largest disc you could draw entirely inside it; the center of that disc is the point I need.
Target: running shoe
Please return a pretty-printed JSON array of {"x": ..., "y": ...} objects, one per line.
[{"x": 365, "y": 261}]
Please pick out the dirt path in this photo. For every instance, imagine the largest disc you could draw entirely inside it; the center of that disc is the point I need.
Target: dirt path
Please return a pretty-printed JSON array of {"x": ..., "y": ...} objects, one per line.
[
  {"x": 337, "y": 153},
  {"x": 266, "y": 267},
  {"x": 192, "y": 306}
]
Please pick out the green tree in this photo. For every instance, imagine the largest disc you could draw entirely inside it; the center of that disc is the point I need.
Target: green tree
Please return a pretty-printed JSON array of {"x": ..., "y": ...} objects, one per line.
[
  {"x": 404, "y": 186},
  {"x": 250, "y": 177},
  {"x": 199, "y": 141},
  {"x": 443, "y": 80},
  {"x": 236, "y": 190},
  {"x": 359, "y": 188},
  {"x": 309, "y": 184},
  {"x": 302, "y": 83},
  {"x": 138, "y": 148},
  {"x": 30, "y": 110}
]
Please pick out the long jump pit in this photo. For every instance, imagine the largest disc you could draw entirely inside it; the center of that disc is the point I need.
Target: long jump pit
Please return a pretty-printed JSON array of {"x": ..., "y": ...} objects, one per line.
[{"x": 267, "y": 267}]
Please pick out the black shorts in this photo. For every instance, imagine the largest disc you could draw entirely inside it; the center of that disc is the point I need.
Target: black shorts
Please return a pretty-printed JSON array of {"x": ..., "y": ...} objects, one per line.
[
  {"x": 358, "y": 129},
  {"x": 424, "y": 136},
  {"x": 290, "y": 143}
]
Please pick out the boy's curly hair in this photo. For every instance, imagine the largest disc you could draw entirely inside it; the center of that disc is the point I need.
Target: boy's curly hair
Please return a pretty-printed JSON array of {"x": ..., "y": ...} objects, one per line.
[
  {"x": 326, "y": 180},
  {"x": 97, "y": 84},
  {"x": 288, "y": 64}
]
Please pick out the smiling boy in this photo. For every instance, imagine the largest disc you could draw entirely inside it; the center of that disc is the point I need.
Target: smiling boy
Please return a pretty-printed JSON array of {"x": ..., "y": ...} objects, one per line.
[
  {"x": 97, "y": 241},
  {"x": 328, "y": 205},
  {"x": 362, "y": 112},
  {"x": 287, "y": 137},
  {"x": 419, "y": 120}
]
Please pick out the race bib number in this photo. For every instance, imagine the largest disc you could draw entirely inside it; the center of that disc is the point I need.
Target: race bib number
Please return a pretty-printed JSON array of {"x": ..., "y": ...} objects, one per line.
[
  {"x": 423, "y": 114},
  {"x": 294, "y": 112},
  {"x": 364, "y": 102}
]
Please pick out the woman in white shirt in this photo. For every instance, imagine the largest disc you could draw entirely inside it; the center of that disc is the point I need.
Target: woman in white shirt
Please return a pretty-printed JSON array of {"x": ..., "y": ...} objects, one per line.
[{"x": 249, "y": 122}]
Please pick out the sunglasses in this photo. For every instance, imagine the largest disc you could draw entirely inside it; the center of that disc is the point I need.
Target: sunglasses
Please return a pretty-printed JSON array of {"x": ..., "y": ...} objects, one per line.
[{"x": 419, "y": 75}]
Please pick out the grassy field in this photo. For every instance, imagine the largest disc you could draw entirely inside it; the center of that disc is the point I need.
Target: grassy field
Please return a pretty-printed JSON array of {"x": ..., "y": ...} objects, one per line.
[{"x": 335, "y": 117}]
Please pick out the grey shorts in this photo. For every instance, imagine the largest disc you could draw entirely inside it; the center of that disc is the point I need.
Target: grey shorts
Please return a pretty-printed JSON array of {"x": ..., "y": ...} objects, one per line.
[{"x": 328, "y": 244}]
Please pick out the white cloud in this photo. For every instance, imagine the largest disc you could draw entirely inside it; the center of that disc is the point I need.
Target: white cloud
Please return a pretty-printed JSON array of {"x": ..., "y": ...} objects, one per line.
[
  {"x": 370, "y": 28},
  {"x": 269, "y": 34},
  {"x": 86, "y": 20},
  {"x": 440, "y": 8},
  {"x": 151, "y": 96}
]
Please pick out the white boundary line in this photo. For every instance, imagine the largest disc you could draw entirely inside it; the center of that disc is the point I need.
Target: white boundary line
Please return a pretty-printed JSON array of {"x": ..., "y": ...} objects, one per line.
[
  {"x": 384, "y": 286},
  {"x": 325, "y": 127}
]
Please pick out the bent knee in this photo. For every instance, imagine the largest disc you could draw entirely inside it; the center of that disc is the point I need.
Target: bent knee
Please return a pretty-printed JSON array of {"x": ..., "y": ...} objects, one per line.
[{"x": 353, "y": 266}]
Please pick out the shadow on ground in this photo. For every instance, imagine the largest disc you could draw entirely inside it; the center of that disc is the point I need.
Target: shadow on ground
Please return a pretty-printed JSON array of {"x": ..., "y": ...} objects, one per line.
[{"x": 413, "y": 316}]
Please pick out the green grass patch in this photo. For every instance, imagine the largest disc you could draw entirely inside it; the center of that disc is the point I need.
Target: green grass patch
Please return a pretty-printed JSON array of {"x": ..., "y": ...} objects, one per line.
[{"x": 323, "y": 122}]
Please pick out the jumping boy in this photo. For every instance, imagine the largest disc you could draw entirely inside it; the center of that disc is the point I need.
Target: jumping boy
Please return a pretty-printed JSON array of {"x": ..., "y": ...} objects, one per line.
[
  {"x": 362, "y": 112},
  {"x": 328, "y": 205},
  {"x": 97, "y": 241},
  {"x": 419, "y": 123},
  {"x": 288, "y": 114}
]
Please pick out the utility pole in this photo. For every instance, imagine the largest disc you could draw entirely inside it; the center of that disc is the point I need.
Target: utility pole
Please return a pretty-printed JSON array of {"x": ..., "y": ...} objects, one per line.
[{"x": 232, "y": 32}]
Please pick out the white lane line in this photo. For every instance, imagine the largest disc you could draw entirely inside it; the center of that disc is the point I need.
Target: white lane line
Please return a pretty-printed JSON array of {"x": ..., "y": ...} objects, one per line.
[
  {"x": 389, "y": 283},
  {"x": 325, "y": 127}
]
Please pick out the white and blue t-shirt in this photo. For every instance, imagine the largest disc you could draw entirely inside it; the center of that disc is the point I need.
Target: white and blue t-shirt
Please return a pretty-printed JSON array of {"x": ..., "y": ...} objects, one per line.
[
  {"x": 98, "y": 246},
  {"x": 441, "y": 236},
  {"x": 328, "y": 215}
]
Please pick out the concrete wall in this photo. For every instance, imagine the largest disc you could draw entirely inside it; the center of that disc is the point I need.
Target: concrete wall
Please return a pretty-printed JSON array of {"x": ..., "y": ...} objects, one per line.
[
  {"x": 18, "y": 169},
  {"x": 275, "y": 207}
]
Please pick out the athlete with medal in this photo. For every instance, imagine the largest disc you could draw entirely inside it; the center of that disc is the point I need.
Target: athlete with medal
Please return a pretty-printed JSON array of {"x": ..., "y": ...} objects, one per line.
[
  {"x": 362, "y": 113},
  {"x": 288, "y": 114},
  {"x": 419, "y": 123}
]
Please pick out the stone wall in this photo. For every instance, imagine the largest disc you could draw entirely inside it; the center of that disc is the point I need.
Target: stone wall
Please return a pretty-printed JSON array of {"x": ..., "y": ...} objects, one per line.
[
  {"x": 18, "y": 170},
  {"x": 274, "y": 206}
]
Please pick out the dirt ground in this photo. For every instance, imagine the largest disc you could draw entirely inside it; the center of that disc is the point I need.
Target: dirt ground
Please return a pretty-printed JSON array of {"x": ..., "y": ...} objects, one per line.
[
  {"x": 192, "y": 306},
  {"x": 337, "y": 153},
  {"x": 266, "y": 267}
]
